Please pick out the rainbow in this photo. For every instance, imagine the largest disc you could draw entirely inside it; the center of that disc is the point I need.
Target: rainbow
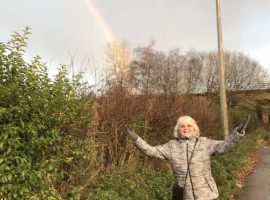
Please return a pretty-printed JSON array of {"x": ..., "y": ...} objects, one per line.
[{"x": 100, "y": 20}]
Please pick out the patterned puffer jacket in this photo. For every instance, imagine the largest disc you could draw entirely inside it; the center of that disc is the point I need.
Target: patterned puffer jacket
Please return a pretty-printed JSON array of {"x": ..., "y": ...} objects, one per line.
[{"x": 199, "y": 184}]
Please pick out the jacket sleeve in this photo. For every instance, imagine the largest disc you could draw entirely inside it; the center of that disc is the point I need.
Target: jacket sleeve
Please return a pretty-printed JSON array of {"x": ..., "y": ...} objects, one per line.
[
  {"x": 218, "y": 147},
  {"x": 160, "y": 151}
]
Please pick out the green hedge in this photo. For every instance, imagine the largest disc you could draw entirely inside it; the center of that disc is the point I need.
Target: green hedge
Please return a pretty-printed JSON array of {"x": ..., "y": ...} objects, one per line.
[
  {"x": 133, "y": 182},
  {"x": 39, "y": 120}
]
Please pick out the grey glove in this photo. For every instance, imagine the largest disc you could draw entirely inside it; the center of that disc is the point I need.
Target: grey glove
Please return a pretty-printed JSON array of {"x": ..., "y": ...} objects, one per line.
[
  {"x": 132, "y": 134},
  {"x": 241, "y": 128}
]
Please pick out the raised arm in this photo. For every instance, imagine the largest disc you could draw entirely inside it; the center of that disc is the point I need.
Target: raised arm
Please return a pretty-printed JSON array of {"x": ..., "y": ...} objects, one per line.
[
  {"x": 221, "y": 147},
  {"x": 218, "y": 147},
  {"x": 160, "y": 151}
]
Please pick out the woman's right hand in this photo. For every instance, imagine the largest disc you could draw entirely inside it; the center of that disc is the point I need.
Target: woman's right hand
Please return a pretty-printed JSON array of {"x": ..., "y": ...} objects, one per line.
[{"x": 132, "y": 134}]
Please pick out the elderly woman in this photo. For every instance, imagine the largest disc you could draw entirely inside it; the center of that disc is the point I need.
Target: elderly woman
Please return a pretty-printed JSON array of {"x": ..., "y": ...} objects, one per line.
[{"x": 189, "y": 155}]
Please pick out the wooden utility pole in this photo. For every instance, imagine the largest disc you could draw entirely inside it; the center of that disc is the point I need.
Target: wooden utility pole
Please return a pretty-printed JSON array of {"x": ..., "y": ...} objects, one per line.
[{"x": 223, "y": 102}]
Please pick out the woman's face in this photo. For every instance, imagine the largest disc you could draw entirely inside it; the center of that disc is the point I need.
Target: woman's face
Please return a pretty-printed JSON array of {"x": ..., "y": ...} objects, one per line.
[{"x": 186, "y": 129}]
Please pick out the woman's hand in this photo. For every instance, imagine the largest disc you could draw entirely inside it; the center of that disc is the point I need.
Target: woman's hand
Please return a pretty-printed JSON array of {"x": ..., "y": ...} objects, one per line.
[{"x": 132, "y": 134}]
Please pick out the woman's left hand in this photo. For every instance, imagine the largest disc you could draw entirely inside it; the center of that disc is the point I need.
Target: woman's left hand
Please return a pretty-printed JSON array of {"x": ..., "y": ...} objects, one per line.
[{"x": 241, "y": 128}]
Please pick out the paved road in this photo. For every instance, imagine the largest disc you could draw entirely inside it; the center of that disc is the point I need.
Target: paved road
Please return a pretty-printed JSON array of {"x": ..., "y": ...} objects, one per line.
[{"x": 258, "y": 183}]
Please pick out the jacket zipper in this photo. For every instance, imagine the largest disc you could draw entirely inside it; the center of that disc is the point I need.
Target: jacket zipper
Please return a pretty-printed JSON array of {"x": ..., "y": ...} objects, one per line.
[
  {"x": 208, "y": 184},
  {"x": 188, "y": 171}
]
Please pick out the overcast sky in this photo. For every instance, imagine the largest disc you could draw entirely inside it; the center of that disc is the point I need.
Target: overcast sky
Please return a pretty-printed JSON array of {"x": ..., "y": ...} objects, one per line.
[{"x": 62, "y": 26}]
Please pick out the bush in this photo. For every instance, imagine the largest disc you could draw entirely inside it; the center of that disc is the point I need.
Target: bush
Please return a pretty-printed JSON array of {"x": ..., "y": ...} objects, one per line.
[
  {"x": 39, "y": 121},
  {"x": 235, "y": 117},
  {"x": 133, "y": 182}
]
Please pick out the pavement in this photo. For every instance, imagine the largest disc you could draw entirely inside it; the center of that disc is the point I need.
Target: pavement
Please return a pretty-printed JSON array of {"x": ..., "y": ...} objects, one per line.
[{"x": 258, "y": 183}]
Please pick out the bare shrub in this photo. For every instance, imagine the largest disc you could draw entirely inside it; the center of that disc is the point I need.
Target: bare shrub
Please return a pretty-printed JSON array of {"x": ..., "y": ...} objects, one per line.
[{"x": 149, "y": 117}]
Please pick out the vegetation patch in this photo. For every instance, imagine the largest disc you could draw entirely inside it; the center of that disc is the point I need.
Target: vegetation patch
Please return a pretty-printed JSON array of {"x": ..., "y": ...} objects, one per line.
[
  {"x": 231, "y": 169},
  {"x": 40, "y": 119},
  {"x": 60, "y": 141},
  {"x": 133, "y": 182}
]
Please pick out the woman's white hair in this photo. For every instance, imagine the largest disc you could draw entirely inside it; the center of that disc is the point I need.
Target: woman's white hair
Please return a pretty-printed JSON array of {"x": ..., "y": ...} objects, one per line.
[{"x": 186, "y": 118}]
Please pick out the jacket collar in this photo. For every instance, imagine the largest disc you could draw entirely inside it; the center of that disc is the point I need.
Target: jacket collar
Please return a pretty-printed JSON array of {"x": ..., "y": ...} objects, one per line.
[{"x": 183, "y": 138}]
